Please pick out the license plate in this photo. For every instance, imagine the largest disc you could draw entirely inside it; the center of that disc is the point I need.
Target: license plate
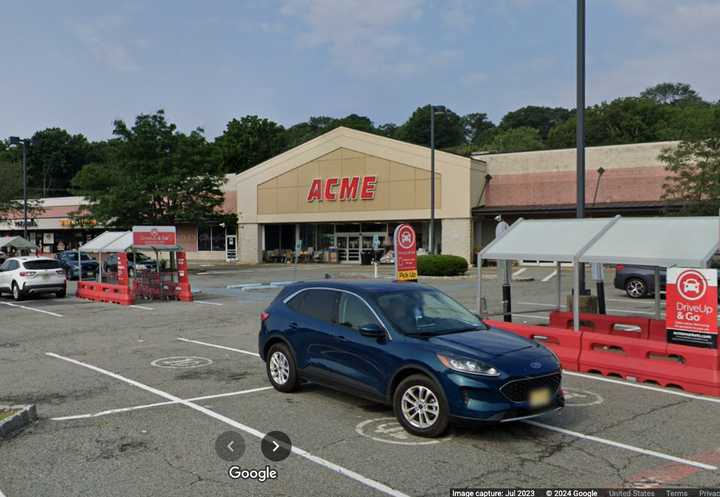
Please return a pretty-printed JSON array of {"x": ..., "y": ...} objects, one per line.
[{"x": 539, "y": 397}]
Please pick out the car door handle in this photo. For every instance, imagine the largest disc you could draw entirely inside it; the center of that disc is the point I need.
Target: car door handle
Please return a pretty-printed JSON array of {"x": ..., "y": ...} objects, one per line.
[
  {"x": 342, "y": 337},
  {"x": 293, "y": 324}
]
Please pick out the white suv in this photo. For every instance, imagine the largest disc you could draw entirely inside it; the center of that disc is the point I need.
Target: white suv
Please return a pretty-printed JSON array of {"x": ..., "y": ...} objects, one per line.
[{"x": 24, "y": 276}]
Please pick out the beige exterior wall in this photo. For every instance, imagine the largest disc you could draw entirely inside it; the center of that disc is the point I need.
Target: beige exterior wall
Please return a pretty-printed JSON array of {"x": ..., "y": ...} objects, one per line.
[
  {"x": 350, "y": 152},
  {"x": 457, "y": 238},
  {"x": 609, "y": 157},
  {"x": 276, "y": 190},
  {"x": 248, "y": 243},
  {"x": 398, "y": 187}
]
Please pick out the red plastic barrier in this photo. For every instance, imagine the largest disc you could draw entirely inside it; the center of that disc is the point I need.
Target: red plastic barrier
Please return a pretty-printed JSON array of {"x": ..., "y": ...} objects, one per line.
[
  {"x": 104, "y": 292},
  {"x": 627, "y": 326},
  {"x": 649, "y": 361},
  {"x": 185, "y": 294},
  {"x": 565, "y": 343}
]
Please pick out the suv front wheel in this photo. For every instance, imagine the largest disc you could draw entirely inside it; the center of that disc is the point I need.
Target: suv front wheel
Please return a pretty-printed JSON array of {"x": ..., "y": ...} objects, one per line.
[{"x": 421, "y": 407}]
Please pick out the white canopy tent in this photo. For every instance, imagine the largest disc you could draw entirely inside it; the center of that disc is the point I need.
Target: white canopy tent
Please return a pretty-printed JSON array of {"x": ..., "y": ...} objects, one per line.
[
  {"x": 651, "y": 241},
  {"x": 16, "y": 242}
]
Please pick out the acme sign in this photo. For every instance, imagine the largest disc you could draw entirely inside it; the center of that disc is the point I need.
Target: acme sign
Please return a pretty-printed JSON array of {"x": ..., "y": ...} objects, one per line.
[{"x": 349, "y": 188}]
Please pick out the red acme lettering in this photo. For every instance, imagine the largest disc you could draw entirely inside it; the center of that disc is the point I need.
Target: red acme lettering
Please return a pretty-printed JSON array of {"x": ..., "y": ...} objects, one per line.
[{"x": 350, "y": 188}]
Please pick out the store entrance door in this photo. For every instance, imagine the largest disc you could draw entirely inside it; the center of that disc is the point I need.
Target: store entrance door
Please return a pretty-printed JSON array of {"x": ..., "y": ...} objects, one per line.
[{"x": 348, "y": 246}]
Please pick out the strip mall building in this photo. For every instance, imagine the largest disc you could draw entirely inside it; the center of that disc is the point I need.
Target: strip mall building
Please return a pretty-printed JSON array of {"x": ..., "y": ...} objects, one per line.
[{"x": 340, "y": 194}]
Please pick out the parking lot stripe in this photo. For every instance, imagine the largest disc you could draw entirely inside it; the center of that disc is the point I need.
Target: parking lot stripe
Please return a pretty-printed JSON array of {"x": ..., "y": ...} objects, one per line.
[
  {"x": 519, "y": 272},
  {"x": 144, "y": 308},
  {"x": 206, "y": 302},
  {"x": 381, "y": 487},
  {"x": 549, "y": 276},
  {"x": 158, "y": 404},
  {"x": 644, "y": 387},
  {"x": 32, "y": 309},
  {"x": 219, "y": 346},
  {"x": 2, "y": 494},
  {"x": 620, "y": 445}
]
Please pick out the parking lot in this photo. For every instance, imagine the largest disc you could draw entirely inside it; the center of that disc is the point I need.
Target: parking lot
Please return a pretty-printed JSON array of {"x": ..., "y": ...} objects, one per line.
[{"x": 132, "y": 399}]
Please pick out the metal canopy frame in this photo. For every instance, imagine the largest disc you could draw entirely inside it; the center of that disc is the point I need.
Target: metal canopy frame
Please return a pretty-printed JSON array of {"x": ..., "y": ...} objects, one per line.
[{"x": 606, "y": 241}]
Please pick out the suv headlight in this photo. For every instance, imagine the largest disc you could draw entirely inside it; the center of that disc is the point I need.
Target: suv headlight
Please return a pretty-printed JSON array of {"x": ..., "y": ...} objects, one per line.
[{"x": 471, "y": 366}]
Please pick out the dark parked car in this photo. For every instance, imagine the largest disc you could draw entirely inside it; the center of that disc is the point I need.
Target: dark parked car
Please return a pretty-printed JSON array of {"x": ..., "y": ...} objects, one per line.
[
  {"x": 70, "y": 263},
  {"x": 409, "y": 346},
  {"x": 136, "y": 262},
  {"x": 638, "y": 281}
]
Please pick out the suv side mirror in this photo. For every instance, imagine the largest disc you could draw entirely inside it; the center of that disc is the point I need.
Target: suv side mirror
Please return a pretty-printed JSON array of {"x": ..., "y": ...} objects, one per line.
[{"x": 372, "y": 330}]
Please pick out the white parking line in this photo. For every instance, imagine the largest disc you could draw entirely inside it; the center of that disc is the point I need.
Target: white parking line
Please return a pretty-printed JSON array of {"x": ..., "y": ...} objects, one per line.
[
  {"x": 519, "y": 272},
  {"x": 2, "y": 494},
  {"x": 612, "y": 443},
  {"x": 381, "y": 487},
  {"x": 142, "y": 307},
  {"x": 219, "y": 346},
  {"x": 32, "y": 309},
  {"x": 549, "y": 276},
  {"x": 158, "y": 404},
  {"x": 644, "y": 387},
  {"x": 206, "y": 302}
]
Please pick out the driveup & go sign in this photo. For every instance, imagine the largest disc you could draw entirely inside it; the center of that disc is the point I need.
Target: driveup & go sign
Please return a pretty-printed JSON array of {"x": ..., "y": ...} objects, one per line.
[
  {"x": 691, "y": 313},
  {"x": 405, "y": 253},
  {"x": 154, "y": 236}
]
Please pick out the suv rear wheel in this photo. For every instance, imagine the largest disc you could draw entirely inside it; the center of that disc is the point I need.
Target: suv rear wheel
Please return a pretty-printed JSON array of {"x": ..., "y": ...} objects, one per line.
[
  {"x": 421, "y": 407},
  {"x": 16, "y": 292},
  {"x": 635, "y": 288},
  {"x": 281, "y": 370}
]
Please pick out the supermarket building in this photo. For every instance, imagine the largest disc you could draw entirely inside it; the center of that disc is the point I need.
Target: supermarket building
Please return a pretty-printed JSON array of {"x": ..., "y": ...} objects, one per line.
[{"x": 340, "y": 196}]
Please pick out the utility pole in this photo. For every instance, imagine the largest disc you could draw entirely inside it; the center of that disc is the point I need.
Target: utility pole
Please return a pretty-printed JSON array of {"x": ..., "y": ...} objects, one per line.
[
  {"x": 15, "y": 140},
  {"x": 431, "y": 238},
  {"x": 580, "y": 130}
]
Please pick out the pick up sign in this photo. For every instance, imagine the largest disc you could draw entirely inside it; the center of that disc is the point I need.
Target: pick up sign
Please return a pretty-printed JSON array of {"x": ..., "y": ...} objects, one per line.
[{"x": 691, "y": 313}]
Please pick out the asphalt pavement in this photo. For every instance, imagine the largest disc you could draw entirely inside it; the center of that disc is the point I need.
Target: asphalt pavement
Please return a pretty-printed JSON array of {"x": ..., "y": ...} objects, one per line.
[{"x": 131, "y": 402}]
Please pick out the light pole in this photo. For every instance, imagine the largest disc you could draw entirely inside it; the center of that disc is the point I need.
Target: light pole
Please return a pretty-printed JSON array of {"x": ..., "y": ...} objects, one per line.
[
  {"x": 580, "y": 128},
  {"x": 431, "y": 238},
  {"x": 14, "y": 140}
]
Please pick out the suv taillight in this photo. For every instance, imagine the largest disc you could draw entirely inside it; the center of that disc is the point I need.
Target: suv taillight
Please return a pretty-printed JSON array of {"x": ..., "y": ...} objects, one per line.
[
  {"x": 264, "y": 315},
  {"x": 27, "y": 273},
  {"x": 619, "y": 267}
]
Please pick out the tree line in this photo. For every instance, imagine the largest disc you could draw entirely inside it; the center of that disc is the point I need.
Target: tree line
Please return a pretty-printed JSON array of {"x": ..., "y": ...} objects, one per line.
[{"x": 151, "y": 172}]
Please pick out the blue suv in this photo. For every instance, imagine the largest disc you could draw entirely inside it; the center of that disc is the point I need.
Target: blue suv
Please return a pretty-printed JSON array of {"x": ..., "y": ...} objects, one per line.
[{"x": 410, "y": 346}]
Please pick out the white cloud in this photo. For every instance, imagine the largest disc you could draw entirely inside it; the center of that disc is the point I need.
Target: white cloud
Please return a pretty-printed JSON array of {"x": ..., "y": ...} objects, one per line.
[
  {"x": 368, "y": 37},
  {"x": 97, "y": 37},
  {"x": 684, "y": 37}
]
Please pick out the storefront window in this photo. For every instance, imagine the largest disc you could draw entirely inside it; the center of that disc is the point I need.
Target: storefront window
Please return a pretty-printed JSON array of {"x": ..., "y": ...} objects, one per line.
[
  {"x": 211, "y": 238},
  {"x": 307, "y": 235},
  {"x": 326, "y": 236}
]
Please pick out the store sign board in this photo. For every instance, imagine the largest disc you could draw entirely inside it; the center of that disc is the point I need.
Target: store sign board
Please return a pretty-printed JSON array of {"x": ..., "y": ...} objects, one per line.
[
  {"x": 348, "y": 188},
  {"x": 154, "y": 236},
  {"x": 405, "y": 246},
  {"x": 691, "y": 312}
]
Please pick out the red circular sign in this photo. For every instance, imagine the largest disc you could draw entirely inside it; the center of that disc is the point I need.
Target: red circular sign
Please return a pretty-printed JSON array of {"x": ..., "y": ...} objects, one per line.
[
  {"x": 406, "y": 237},
  {"x": 691, "y": 285}
]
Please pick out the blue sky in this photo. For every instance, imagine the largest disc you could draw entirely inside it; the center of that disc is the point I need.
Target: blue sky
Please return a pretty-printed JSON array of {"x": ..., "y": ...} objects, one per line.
[{"x": 82, "y": 64}]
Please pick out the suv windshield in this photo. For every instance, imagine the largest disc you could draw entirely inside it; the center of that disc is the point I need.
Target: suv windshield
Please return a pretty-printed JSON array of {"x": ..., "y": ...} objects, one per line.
[
  {"x": 42, "y": 264},
  {"x": 427, "y": 312}
]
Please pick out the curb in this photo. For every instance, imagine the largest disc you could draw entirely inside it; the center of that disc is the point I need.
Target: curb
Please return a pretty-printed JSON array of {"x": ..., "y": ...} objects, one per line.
[{"x": 25, "y": 415}]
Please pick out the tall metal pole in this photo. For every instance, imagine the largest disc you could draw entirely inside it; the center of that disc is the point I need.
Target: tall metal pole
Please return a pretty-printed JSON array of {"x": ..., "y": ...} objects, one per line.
[
  {"x": 580, "y": 130},
  {"x": 431, "y": 238},
  {"x": 25, "y": 206}
]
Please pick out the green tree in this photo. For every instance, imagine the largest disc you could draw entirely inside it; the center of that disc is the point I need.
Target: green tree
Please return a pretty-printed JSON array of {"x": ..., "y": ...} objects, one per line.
[
  {"x": 10, "y": 187},
  {"x": 541, "y": 118},
  {"x": 694, "y": 176},
  {"x": 154, "y": 175},
  {"x": 477, "y": 127},
  {"x": 672, "y": 93},
  {"x": 248, "y": 142},
  {"x": 516, "y": 140},
  {"x": 54, "y": 156},
  {"x": 318, "y": 125},
  {"x": 449, "y": 129}
]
